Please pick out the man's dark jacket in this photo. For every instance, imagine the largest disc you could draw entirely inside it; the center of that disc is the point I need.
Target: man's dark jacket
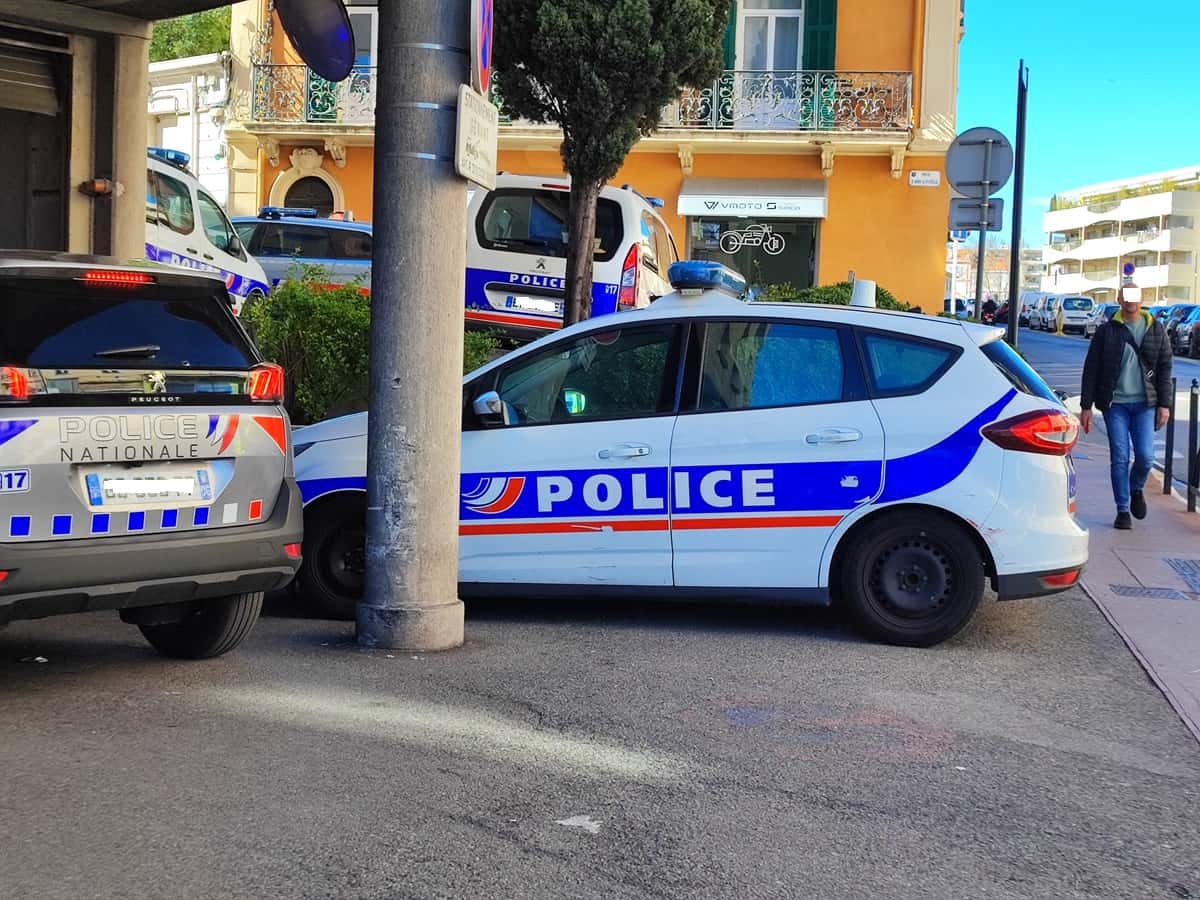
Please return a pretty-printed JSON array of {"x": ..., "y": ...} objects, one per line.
[{"x": 1102, "y": 368}]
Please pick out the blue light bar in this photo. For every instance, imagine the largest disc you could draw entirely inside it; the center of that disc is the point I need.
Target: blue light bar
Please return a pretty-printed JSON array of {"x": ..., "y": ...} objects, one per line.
[
  {"x": 171, "y": 157},
  {"x": 295, "y": 212},
  {"x": 702, "y": 275},
  {"x": 656, "y": 202}
]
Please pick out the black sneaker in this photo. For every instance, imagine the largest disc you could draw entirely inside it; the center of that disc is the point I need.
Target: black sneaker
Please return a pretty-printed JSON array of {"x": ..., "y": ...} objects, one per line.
[
  {"x": 1123, "y": 522},
  {"x": 1137, "y": 504}
]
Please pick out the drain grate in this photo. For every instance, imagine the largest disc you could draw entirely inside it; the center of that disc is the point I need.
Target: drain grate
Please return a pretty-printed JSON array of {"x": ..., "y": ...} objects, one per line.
[
  {"x": 1188, "y": 570},
  {"x": 1151, "y": 593}
]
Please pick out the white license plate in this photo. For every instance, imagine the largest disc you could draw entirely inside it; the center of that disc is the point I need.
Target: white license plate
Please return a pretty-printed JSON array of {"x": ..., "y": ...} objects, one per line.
[
  {"x": 536, "y": 304},
  {"x": 124, "y": 487}
]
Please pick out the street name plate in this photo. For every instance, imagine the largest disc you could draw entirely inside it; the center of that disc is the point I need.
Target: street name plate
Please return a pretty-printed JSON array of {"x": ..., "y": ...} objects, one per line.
[
  {"x": 924, "y": 178},
  {"x": 478, "y": 134}
]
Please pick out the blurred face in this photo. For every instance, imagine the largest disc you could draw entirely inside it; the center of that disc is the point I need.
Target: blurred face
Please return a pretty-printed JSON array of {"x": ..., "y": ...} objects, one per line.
[{"x": 1131, "y": 303}]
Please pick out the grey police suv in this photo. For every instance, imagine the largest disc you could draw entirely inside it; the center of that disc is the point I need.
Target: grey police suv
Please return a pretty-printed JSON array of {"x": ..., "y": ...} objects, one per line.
[{"x": 145, "y": 463}]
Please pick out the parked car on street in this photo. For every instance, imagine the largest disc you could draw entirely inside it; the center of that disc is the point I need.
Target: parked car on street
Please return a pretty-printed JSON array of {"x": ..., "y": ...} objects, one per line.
[
  {"x": 1104, "y": 313},
  {"x": 1029, "y": 301},
  {"x": 187, "y": 228},
  {"x": 885, "y": 462},
  {"x": 1178, "y": 313},
  {"x": 282, "y": 238},
  {"x": 145, "y": 463},
  {"x": 1077, "y": 315},
  {"x": 1182, "y": 339},
  {"x": 961, "y": 308},
  {"x": 1048, "y": 313},
  {"x": 517, "y": 254}
]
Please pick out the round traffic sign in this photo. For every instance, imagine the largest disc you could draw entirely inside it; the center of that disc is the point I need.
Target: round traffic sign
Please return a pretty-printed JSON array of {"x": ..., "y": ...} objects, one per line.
[
  {"x": 481, "y": 45},
  {"x": 968, "y": 155}
]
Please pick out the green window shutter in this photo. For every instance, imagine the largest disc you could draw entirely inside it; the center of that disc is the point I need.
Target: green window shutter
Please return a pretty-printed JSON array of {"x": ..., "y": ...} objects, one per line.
[
  {"x": 729, "y": 42},
  {"x": 820, "y": 34}
]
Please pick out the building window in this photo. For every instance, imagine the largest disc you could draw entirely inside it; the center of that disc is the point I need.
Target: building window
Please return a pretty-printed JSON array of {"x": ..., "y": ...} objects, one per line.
[
  {"x": 765, "y": 251},
  {"x": 771, "y": 35},
  {"x": 311, "y": 192}
]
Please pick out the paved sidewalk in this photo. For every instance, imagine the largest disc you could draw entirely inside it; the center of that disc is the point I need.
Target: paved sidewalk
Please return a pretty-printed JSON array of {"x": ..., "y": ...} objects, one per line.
[{"x": 1146, "y": 581}]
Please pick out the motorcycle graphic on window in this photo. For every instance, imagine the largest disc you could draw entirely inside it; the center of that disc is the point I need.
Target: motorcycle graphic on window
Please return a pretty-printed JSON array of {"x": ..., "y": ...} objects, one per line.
[{"x": 753, "y": 236}]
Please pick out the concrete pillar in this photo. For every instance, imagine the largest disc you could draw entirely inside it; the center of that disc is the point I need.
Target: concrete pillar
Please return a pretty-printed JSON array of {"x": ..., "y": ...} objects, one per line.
[
  {"x": 131, "y": 94},
  {"x": 414, "y": 442},
  {"x": 83, "y": 130}
]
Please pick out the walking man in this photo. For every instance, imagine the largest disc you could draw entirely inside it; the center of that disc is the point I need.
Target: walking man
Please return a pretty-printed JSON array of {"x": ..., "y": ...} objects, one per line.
[{"x": 1127, "y": 376}]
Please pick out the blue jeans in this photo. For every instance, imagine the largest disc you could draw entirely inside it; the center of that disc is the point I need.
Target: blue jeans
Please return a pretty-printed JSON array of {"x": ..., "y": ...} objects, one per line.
[{"x": 1126, "y": 423}]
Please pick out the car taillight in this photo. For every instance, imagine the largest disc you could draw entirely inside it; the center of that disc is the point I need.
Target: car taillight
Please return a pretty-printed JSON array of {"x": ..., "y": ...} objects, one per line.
[
  {"x": 14, "y": 383},
  {"x": 627, "y": 298},
  {"x": 266, "y": 383},
  {"x": 112, "y": 278},
  {"x": 1043, "y": 431}
]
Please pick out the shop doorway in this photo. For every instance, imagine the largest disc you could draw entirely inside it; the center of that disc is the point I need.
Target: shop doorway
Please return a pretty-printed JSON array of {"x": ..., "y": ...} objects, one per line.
[{"x": 766, "y": 252}]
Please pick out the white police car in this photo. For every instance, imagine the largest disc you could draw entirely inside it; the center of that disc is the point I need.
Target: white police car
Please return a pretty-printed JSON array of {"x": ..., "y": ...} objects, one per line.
[{"x": 884, "y": 462}]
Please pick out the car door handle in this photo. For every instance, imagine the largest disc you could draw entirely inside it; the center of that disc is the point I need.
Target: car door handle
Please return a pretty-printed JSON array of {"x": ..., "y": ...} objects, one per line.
[
  {"x": 834, "y": 436},
  {"x": 624, "y": 451},
  {"x": 192, "y": 250}
]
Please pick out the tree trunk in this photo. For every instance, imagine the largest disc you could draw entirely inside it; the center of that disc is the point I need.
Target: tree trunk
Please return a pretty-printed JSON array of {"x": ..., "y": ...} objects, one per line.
[{"x": 580, "y": 256}]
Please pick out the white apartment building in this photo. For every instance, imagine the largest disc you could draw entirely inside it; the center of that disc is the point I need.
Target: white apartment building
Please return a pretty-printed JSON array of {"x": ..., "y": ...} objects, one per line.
[
  {"x": 189, "y": 99},
  {"x": 1152, "y": 221}
]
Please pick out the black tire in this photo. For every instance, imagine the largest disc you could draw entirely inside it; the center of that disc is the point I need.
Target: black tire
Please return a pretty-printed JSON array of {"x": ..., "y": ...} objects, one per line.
[
  {"x": 215, "y": 627},
  {"x": 333, "y": 573},
  {"x": 911, "y": 579}
]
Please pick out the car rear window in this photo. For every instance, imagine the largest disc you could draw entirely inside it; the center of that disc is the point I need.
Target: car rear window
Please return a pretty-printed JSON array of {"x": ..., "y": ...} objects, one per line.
[
  {"x": 1077, "y": 303},
  {"x": 534, "y": 222},
  {"x": 1018, "y": 372},
  {"x": 62, "y": 326}
]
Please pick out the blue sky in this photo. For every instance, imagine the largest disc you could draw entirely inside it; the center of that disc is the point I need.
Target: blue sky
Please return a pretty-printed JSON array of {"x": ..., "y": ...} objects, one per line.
[{"x": 1114, "y": 90}]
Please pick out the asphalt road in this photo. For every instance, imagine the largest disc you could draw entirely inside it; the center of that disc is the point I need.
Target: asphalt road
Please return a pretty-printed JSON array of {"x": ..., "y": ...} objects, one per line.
[
  {"x": 1059, "y": 358},
  {"x": 597, "y": 750}
]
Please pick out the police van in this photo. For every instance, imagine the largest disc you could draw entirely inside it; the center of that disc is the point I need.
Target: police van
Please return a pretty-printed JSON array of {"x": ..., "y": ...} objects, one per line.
[
  {"x": 186, "y": 227},
  {"x": 282, "y": 237},
  {"x": 145, "y": 463},
  {"x": 710, "y": 447},
  {"x": 517, "y": 248}
]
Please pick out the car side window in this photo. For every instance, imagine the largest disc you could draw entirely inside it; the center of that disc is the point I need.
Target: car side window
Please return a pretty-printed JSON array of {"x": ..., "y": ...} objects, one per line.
[
  {"x": 617, "y": 374},
  {"x": 217, "y": 228},
  {"x": 904, "y": 365},
  {"x": 348, "y": 244},
  {"x": 175, "y": 204},
  {"x": 749, "y": 365}
]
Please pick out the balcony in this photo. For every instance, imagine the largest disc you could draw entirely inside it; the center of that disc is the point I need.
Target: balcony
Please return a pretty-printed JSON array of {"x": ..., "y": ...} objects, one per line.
[{"x": 797, "y": 101}]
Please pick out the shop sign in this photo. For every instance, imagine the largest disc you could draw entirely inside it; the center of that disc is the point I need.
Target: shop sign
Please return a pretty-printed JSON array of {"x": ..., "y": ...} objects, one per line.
[{"x": 760, "y": 207}]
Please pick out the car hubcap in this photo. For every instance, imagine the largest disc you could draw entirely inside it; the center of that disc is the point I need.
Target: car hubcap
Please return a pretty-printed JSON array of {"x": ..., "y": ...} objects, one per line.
[
  {"x": 912, "y": 578},
  {"x": 345, "y": 562}
]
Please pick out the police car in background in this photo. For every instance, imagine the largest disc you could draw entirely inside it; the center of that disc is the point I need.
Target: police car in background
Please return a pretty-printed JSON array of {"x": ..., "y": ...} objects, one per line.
[
  {"x": 145, "y": 463},
  {"x": 517, "y": 254},
  {"x": 709, "y": 447},
  {"x": 281, "y": 237},
  {"x": 186, "y": 227}
]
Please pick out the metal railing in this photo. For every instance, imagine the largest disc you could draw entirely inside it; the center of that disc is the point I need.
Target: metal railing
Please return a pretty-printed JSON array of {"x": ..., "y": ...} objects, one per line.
[
  {"x": 287, "y": 93},
  {"x": 796, "y": 101},
  {"x": 1100, "y": 274},
  {"x": 1064, "y": 246},
  {"x": 737, "y": 101}
]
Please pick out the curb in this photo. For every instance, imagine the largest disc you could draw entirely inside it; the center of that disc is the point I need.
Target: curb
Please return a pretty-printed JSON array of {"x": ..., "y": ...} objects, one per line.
[{"x": 1193, "y": 727}]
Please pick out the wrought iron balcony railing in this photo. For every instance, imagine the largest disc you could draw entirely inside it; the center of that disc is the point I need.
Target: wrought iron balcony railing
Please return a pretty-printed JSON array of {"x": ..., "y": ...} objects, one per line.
[
  {"x": 797, "y": 101},
  {"x": 737, "y": 101}
]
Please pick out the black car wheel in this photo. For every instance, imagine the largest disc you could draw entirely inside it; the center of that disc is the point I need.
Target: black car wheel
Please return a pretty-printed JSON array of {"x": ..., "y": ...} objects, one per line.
[
  {"x": 912, "y": 579},
  {"x": 333, "y": 574},
  {"x": 212, "y": 628}
]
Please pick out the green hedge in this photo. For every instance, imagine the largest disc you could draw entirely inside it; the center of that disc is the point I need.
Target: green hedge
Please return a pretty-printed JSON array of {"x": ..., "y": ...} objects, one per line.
[
  {"x": 837, "y": 294},
  {"x": 320, "y": 334}
]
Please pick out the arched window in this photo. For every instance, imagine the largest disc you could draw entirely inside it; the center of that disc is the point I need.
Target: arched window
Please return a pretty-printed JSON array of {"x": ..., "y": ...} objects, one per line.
[{"x": 311, "y": 192}]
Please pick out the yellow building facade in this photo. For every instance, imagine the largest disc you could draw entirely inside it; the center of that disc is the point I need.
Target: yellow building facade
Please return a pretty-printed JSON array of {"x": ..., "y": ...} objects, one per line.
[{"x": 827, "y": 131}]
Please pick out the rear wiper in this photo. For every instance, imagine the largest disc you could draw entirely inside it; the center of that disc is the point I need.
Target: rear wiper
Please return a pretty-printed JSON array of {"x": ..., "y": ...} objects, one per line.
[{"x": 142, "y": 351}]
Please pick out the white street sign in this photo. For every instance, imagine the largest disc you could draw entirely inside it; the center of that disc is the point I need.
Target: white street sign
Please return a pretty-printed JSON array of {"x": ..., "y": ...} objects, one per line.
[
  {"x": 478, "y": 135},
  {"x": 924, "y": 178}
]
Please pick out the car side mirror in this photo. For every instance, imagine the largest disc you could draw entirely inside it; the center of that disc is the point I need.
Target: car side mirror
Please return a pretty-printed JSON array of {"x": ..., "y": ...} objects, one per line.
[{"x": 491, "y": 410}]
